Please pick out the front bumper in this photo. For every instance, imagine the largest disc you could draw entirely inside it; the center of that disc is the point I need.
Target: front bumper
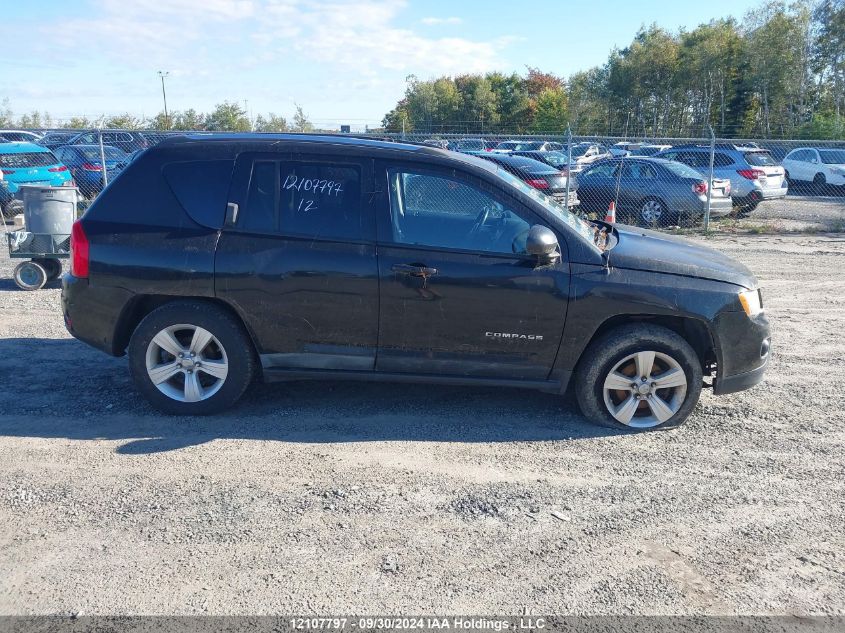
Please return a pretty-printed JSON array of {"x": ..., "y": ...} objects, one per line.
[{"x": 744, "y": 351}]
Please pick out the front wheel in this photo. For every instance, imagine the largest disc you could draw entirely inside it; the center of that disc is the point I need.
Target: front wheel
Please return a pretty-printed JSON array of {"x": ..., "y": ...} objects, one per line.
[
  {"x": 191, "y": 358},
  {"x": 639, "y": 377}
]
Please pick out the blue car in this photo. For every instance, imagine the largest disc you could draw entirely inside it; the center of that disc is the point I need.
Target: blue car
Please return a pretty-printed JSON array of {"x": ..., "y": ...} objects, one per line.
[
  {"x": 29, "y": 164},
  {"x": 85, "y": 165}
]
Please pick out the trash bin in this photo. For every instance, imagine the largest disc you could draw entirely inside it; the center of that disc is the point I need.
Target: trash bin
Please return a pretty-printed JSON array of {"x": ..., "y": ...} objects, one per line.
[{"x": 49, "y": 210}]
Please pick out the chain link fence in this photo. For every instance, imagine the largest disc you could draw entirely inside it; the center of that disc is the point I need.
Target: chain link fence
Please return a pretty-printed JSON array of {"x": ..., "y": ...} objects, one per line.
[{"x": 659, "y": 183}]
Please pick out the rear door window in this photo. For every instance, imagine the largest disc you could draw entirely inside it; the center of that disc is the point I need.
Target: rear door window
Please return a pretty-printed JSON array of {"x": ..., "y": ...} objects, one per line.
[{"x": 309, "y": 199}]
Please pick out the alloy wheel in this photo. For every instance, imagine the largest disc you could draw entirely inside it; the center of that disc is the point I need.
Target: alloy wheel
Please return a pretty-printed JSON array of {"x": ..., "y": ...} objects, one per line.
[
  {"x": 645, "y": 389},
  {"x": 651, "y": 211},
  {"x": 186, "y": 363}
]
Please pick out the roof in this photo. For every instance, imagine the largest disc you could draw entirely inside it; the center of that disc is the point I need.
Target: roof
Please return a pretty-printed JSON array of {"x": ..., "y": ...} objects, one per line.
[
  {"x": 252, "y": 137},
  {"x": 22, "y": 147}
]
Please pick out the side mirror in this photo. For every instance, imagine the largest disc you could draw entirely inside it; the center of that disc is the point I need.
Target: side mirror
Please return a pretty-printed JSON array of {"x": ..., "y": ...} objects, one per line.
[{"x": 542, "y": 243}]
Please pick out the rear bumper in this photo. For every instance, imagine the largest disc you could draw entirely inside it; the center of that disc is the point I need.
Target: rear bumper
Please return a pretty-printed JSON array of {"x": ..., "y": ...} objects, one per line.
[{"x": 91, "y": 314}]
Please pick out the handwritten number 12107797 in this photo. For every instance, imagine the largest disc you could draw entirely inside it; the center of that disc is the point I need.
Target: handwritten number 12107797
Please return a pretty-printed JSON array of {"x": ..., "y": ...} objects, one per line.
[{"x": 317, "y": 187}]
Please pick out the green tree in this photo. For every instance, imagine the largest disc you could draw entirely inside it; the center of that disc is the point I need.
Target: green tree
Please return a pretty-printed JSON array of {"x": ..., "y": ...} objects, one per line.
[
  {"x": 300, "y": 121},
  {"x": 123, "y": 121},
  {"x": 551, "y": 114},
  {"x": 273, "y": 123},
  {"x": 228, "y": 117},
  {"x": 77, "y": 123}
]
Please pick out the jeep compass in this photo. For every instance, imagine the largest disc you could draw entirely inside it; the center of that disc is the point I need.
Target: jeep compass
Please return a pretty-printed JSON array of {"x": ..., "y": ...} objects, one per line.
[{"x": 215, "y": 260}]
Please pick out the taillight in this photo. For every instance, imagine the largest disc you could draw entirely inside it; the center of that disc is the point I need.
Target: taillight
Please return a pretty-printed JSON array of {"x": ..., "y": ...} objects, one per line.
[
  {"x": 751, "y": 174},
  {"x": 79, "y": 251},
  {"x": 537, "y": 183},
  {"x": 92, "y": 167},
  {"x": 58, "y": 168},
  {"x": 699, "y": 187}
]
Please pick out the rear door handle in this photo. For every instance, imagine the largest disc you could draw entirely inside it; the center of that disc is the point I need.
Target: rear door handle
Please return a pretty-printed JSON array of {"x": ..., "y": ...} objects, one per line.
[{"x": 415, "y": 270}]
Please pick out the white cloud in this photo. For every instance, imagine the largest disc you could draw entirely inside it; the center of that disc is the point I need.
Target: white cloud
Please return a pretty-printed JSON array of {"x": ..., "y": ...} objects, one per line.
[
  {"x": 362, "y": 37},
  {"x": 434, "y": 21}
]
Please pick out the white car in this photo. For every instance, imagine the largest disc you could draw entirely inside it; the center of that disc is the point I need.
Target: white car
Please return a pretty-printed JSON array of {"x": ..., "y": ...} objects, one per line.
[
  {"x": 624, "y": 148},
  {"x": 820, "y": 166},
  {"x": 20, "y": 135}
]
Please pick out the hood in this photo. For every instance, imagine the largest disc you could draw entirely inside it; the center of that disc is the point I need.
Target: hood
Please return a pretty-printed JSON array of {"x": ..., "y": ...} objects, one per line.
[{"x": 642, "y": 249}]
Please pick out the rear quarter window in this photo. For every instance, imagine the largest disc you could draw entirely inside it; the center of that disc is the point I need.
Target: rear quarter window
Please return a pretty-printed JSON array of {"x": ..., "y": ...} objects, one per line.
[{"x": 202, "y": 188}]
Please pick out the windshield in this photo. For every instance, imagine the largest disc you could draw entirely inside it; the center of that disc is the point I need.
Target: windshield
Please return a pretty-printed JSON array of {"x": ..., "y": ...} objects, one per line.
[
  {"x": 27, "y": 159},
  {"x": 53, "y": 138},
  {"x": 508, "y": 145},
  {"x": 682, "y": 170},
  {"x": 582, "y": 227},
  {"x": 93, "y": 153},
  {"x": 832, "y": 156},
  {"x": 760, "y": 159},
  {"x": 579, "y": 150}
]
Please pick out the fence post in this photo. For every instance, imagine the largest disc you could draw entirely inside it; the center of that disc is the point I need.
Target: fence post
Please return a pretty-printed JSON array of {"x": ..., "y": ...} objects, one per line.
[
  {"x": 710, "y": 178},
  {"x": 103, "y": 160},
  {"x": 568, "y": 165}
]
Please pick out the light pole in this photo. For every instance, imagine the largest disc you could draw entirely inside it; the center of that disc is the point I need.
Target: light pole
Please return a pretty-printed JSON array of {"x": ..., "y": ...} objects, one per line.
[{"x": 164, "y": 74}]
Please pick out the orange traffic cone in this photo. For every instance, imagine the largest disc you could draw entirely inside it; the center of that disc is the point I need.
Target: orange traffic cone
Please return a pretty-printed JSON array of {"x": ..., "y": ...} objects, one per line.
[{"x": 611, "y": 213}]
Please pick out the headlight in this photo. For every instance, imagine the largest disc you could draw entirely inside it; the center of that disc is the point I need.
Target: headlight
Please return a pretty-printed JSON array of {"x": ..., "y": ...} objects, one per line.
[
  {"x": 751, "y": 302},
  {"x": 838, "y": 170}
]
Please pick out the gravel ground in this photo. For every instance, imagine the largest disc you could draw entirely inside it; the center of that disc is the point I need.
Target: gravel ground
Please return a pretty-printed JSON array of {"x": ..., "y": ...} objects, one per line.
[{"x": 333, "y": 497}]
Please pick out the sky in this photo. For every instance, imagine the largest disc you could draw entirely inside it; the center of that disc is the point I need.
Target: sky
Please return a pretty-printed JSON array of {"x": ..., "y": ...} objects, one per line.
[{"x": 343, "y": 62}]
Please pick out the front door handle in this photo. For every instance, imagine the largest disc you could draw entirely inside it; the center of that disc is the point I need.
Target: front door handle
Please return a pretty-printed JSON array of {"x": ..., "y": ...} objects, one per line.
[{"x": 415, "y": 270}]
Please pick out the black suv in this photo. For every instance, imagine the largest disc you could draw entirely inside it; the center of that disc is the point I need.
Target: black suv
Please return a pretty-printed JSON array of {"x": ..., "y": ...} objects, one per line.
[{"x": 213, "y": 260}]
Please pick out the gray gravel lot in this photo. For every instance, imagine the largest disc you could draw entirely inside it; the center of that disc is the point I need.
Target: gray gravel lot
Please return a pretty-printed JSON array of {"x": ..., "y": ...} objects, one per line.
[{"x": 333, "y": 497}]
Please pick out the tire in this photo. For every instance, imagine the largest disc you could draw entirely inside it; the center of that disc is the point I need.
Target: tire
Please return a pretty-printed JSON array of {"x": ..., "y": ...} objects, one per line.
[
  {"x": 618, "y": 351},
  {"x": 187, "y": 385},
  {"x": 820, "y": 183},
  {"x": 652, "y": 212},
  {"x": 30, "y": 276},
  {"x": 52, "y": 266}
]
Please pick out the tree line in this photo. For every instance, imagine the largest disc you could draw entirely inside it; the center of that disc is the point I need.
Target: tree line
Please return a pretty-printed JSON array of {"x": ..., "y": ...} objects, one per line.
[
  {"x": 777, "y": 73},
  {"x": 225, "y": 117}
]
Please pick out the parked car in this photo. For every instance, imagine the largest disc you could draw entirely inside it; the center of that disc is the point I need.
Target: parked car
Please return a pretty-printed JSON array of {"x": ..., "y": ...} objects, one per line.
[
  {"x": 755, "y": 176},
  {"x": 52, "y": 140},
  {"x": 624, "y": 148},
  {"x": 649, "y": 150},
  {"x": 539, "y": 175},
  {"x": 555, "y": 159},
  {"x": 651, "y": 191},
  {"x": 29, "y": 164},
  {"x": 280, "y": 264},
  {"x": 584, "y": 154},
  {"x": 126, "y": 140},
  {"x": 818, "y": 165},
  {"x": 436, "y": 142},
  {"x": 20, "y": 135},
  {"x": 472, "y": 145},
  {"x": 528, "y": 146},
  {"x": 84, "y": 162}
]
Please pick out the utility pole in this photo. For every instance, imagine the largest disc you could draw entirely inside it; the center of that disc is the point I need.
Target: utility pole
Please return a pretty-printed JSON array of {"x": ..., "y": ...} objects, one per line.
[{"x": 164, "y": 74}]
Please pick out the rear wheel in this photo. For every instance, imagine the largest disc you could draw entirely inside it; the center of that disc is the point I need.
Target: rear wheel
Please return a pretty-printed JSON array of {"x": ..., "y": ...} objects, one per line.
[
  {"x": 639, "y": 377},
  {"x": 30, "y": 276},
  {"x": 820, "y": 183},
  {"x": 191, "y": 358},
  {"x": 652, "y": 213}
]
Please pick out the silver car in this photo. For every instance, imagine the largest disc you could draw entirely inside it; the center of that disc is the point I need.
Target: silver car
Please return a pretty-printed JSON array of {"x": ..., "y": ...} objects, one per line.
[{"x": 754, "y": 174}]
